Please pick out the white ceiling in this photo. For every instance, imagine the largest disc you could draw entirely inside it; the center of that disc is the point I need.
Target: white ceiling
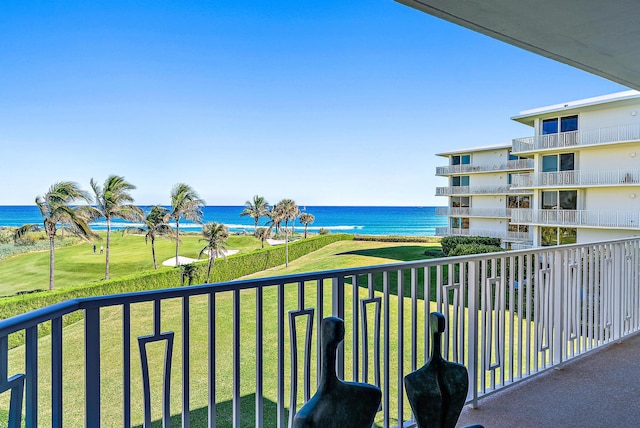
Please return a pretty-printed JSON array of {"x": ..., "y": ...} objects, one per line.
[{"x": 601, "y": 37}]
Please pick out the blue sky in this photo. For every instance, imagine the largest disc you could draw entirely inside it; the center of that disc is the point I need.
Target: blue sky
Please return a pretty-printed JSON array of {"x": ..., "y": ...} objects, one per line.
[{"x": 327, "y": 103}]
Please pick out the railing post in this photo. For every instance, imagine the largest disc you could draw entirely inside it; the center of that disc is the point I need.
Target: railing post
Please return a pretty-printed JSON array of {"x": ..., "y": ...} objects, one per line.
[
  {"x": 618, "y": 267},
  {"x": 337, "y": 310},
  {"x": 472, "y": 334},
  {"x": 558, "y": 325},
  {"x": 92, "y": 367}
]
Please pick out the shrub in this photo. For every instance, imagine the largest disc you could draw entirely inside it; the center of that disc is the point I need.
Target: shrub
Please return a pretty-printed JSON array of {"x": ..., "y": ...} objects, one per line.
[
  {"x": 469, "y": 249},
  {"x": 390, "y": 238},
  {"x": 6, "y": 235},
  {"x": 448, "y": 243},
  {"x": 324, "y": 231},
  {"x": 434, "y": 252}
]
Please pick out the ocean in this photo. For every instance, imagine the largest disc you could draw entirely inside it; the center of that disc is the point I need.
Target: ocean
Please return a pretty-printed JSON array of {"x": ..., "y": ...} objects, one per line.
[{"x": 406, "y": 221}]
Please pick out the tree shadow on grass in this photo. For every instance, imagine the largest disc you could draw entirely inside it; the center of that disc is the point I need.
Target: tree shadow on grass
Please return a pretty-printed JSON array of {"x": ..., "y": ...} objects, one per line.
[
  {"x": 224, "y": 414},
  {"x": 404, "y": 253}
]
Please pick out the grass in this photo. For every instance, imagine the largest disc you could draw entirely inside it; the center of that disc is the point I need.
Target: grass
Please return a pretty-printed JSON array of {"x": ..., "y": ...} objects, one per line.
[
  {"x": 77, "y": 264},
  {"x": 339, "y": 255}
]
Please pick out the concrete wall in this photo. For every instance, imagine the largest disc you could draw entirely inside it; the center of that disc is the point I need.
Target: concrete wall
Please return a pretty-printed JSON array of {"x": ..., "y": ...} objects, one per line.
[
  {"x": 593, "y": 235},
  {"x": 621, "y": 156},
  {"x": 494, "y": 201}
]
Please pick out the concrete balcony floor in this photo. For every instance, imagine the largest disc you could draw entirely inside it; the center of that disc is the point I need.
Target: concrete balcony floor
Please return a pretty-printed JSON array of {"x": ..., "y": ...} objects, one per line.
[{"x": 600, "y": 389}]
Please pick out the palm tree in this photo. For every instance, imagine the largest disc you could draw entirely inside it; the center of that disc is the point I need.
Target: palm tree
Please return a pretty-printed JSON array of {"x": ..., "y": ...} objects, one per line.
[
  {"x": 185, "y": 203},
  {"x": 113, "y": 200},
  {"x": 155, "y": 226},
  {"x": 263, "y": 233},
  {"x": 257, "y": 208},
  {"x": 289, "y": 211},
  {"x": 215, "y": 235},
  {"x": 55, "y": 207},
  {"x": 276, "y": 217},
  {"x": 306, "y": 219}
]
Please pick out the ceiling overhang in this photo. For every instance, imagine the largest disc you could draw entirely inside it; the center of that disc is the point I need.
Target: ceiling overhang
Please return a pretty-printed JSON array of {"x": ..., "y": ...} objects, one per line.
[{"x": 602, "y": 38}]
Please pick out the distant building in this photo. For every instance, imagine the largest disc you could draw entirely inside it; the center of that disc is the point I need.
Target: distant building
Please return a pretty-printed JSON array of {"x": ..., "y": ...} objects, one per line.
[
  {"x": 577, "y": 179},
  {"x": 481, "y": 196}
]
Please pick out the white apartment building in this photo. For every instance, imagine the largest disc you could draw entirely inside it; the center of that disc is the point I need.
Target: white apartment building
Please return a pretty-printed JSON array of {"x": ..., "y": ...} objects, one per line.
[
  {"x": 582, "y": 182},
  {"x": 481, "y": 196}
]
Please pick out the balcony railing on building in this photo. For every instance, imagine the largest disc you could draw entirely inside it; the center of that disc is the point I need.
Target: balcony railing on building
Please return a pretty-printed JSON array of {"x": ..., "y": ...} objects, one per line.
[
  {"x": 474, "y": 212},
  {"x": 512, "y": 165},
  {"x": 479, "y": 190},
  {"x": 579, "y": 178},
  {"x": 252, "y": 345},
  {"x": 591, "y": 137},
  {"x": 526, "y": 238},
  {"x": 583, "y": 218}
]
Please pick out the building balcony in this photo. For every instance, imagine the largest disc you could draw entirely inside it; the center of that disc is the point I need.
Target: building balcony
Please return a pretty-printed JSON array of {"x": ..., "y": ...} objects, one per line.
[
  {"x": 579, "y": 178},
  {"x": 578, "y": 218},
  {"x": 592, "y": 137},
  {"x": 479, "y": 190},
  {"x": 474, "y": 212},
  {"x": 250, "y": 345},
  {"x": 512, "y": 165}
]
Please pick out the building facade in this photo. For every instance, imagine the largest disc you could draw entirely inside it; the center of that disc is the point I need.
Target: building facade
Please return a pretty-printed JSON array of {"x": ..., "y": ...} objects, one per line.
[
  {"x": 481, "y": 196},
  {"x": 576, "y": 180}
]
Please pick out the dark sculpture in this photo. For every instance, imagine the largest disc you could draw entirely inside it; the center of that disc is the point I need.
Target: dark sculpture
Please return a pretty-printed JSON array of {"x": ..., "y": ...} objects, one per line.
[
  {"x": 336, "y": 403},
  {"x": 437, "y": 391}
]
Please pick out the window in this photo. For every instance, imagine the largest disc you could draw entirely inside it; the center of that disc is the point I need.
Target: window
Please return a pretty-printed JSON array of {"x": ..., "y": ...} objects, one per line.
[
  {"x": 560, "y": 199},
  {"x": 554, "y": 163},
  {"x": 460, "y": 202},
  {"x": 518, "y": 202},
  {"x": 558, "y": 236},
  {"x": 461, "y": 160},
  {"x": 459, "y": 223},
  {"x": 564, "y": 124},
  {"x": 521, "y": 228},
  {"x": 462, "y": 180},
  {"x": 515, "y": 157}
]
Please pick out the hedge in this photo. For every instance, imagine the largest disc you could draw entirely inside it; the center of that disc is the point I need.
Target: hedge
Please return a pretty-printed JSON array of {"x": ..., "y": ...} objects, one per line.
[
  {"x": 448, "y": 243},
  {"x": 227, "y": 269},
  {"x": 469, "y": 249},
  {"x": 391, "y": 238}
]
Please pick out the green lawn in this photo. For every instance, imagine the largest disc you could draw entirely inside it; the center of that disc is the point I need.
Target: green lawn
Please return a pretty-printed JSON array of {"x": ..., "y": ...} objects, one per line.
[
  {"x": 339, "y": 255},
  {"x": 77, "y": 264}
]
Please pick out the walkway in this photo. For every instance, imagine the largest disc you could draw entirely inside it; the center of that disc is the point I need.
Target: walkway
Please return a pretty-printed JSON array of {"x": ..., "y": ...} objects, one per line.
[{"x": 601, "y": 389}]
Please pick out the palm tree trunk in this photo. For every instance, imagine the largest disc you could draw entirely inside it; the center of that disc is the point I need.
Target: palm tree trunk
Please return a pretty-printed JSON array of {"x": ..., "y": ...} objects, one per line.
[
  {"x": 286, "y": 244},
  {"x": 255, "y": 225},
  {"x": 153, "y": 254},
  {"x": 51, "y": 260},
  {"x": 209, "y": 266},
  {"x": 177, "y": 239},
  {"x": 106, "y": 266},
  {"x": 305, "y": 230}
]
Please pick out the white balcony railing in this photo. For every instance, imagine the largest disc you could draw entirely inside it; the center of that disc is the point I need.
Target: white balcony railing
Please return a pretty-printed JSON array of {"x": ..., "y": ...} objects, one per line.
[
  {"x": 609, "y": 135},
  {"x": 512, "y": 165},
  {"x": 577, "y": 218},
  {"x": 579, "y": 178},
  {"x": 474, "y": 212},
  {"x": 478, "y": 190},
  {"x": 510, "y": 316}
]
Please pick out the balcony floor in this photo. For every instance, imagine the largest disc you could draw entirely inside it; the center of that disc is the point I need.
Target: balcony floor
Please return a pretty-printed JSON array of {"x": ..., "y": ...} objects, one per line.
[{"x": 600, "y": 389}]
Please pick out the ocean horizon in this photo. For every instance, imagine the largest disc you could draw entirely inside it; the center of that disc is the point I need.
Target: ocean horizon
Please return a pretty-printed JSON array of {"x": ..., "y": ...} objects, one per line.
[{"x": 364, "y": 220}]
